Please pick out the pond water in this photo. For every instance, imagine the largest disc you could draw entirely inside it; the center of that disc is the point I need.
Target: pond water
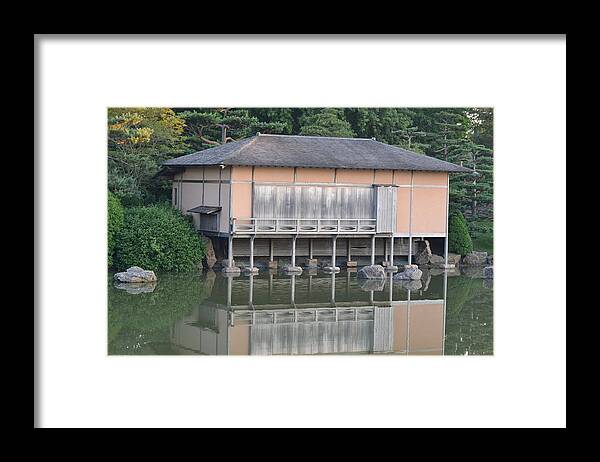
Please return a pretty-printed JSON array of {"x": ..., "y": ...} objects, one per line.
[{"x": 446, "y": 313}]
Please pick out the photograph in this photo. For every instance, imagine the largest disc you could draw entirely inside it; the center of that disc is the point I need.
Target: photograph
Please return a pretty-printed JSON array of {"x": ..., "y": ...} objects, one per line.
[
  {"x": 300, "y": 231},
  {"x": 297, "y": 231}
]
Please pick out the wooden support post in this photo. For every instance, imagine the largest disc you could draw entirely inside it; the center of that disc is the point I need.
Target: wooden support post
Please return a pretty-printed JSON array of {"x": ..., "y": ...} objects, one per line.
[
  {"x": 271, "y": 252},
  {"x": 294, "y": 251},
  {"x": 348, "y": 250},
  {"x": 333, "y": 287},
  {"x": 251, "y": 253},
  {"x": 385, "y": 250},
  {"x": 447, "y": 211},
  {"x": 373, "y": 249},
  {"x": 251, "y": 290},
  {"x": 410, "y": 201},
  {"x": 310, "y": 249},
  {"x": 229, "y": 283},
  {"x": 392, "y": 251},
  {"x": 230, "y": 251},
  {"x": 333, "y": 245},
  {"x": 293, "y": 291}
]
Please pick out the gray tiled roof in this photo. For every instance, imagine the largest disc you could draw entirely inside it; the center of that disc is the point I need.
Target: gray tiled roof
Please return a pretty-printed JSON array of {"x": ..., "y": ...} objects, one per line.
[{"x": 314, "y": 151}]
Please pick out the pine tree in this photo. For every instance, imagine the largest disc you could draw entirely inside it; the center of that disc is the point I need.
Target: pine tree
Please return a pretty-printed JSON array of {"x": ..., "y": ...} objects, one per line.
[
  {"x": 326, "y": 122},
  {"x": 459, "y": 240},
  {"x": 209, "y": 128}
]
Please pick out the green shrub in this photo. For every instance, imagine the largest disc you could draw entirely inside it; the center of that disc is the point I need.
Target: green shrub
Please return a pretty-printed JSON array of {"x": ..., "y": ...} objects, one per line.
[
  {"x": 115, "y": 223},
  {"x": 158, "y": 238},
  {"x": 459, "y": 240}
]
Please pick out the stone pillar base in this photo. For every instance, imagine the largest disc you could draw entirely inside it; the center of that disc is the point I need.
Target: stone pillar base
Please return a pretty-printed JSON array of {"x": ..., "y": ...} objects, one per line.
[
  {"x": 251, "y": 270},
  {"x": 272, "y": 264},
  {"x": 292, "y": 269},
  {"x": 448, "y": 266},
  {"x": 391, "y": 268},
  {"x": 231, "y": 270},
  {"x": 332, "y": 269},
  {"x": 351, "y": 264},
  {"x": 312, "y": 262}
]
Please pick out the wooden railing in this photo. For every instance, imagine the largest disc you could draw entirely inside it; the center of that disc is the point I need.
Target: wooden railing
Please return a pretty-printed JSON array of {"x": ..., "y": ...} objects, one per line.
[{"x": 303, "y": 225}]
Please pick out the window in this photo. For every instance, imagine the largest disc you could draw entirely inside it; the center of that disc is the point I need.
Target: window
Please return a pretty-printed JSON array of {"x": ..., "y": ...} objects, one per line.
[{"x": 174, "y": 196}]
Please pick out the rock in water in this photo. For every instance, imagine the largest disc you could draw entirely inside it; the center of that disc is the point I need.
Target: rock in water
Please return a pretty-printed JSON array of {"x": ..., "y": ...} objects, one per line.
[
  {"x": 210, "y": 257},
  {"x": 136, "y": 274},
  {"x": 376, "y": 285},
  {"x": 410, "y": 273},
  {"x": 436, "y": 261},
  {"x": 411, "y": 285},
  {"x": 423, "y": 254},
  {"x": 488, "y": 272},
  {"x": 371, "y": 272},
  {"x": 475, "y": 259},
  {"x": 136, "y": 288},
  {"x": 454, "y": 258}
]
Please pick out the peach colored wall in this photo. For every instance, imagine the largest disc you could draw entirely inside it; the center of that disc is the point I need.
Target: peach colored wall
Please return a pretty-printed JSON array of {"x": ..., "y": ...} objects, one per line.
[
  {"x": 430, "y": 178},
  {"x": 315, "y": 175},
  {"x": 241, "y": 200},
  {"x": 402, "y": 212},
  {"x": 400, "y": 327},
  {"x": 241, "y": 173},
  {"x": 224, "y": 213},
  {"x": 429, "y": 204},
  {"x": 239, "y": 340},
  {"x": 429, "y": 210},
  {"x": 426, "y": 327},
  {"x": 211, "y": 194},
  {"x": 401, "y": 177},
  {"x": 191, "y": 196},
  {"x": 384, "y": 176},
  {"x": 212, "y": 173},
  {"x": 354, "y": 176},
  {"x": 272, "y": 174},
  {"x": 192, "y": 173}
]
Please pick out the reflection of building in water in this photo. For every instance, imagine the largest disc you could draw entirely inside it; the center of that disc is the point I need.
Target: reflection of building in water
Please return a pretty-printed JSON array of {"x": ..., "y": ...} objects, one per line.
[{"x": 404, "y": 327}]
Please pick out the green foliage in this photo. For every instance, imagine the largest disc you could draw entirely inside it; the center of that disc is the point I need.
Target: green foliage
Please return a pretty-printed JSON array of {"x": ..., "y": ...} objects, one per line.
[
  {"x": 213, "y": 127},
  {"x": 157, "y": 238},
  {"x": 115, "y": 223},
  {"x": 326, "y": 122},
  {"x": 139, "y": 140},
  {"x": 469, "y": 317},
  {"x": 136, "y": 321},
  {"x": 459, "y": 240}
]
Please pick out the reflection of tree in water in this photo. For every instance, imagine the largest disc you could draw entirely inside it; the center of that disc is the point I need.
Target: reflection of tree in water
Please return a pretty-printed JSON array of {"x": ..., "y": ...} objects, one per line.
[
  {"x": 469, "y": 317},
  {"x": 137, "y": 323}
]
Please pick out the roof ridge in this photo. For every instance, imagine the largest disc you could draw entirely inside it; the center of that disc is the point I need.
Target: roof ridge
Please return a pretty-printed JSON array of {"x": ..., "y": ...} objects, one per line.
[
  {"x": 314, "y": 136},
  {"x": 249, "y": 142}
]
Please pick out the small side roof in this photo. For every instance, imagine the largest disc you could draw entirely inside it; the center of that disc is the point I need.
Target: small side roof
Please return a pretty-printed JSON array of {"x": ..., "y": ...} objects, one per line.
[
  {"x": 204, "y": 209},
  {"x": 314, "y": 151}
]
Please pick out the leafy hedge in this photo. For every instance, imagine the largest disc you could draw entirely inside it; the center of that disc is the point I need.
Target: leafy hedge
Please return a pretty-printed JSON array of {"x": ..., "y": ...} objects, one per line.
[
  {"x": 116, "y": 215},
  {"x": 158, "y": 238},
  {"x": 459, "y": 240}
]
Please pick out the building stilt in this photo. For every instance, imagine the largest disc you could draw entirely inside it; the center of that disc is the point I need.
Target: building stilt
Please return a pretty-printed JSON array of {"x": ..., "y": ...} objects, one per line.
[
  {"x": 292, "y": 268},
  {"x": 349, "y": 262},
  {"x": 332, "y": 266},
  {"x": 251, "y": 269},
  {"x": 272, "y": 263},
  {"x": 390, "y": 264},
  {"x": 311, "y": 262},
  {"x": 230, "y": 268},
  {"x": 373, "y": 249}
]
